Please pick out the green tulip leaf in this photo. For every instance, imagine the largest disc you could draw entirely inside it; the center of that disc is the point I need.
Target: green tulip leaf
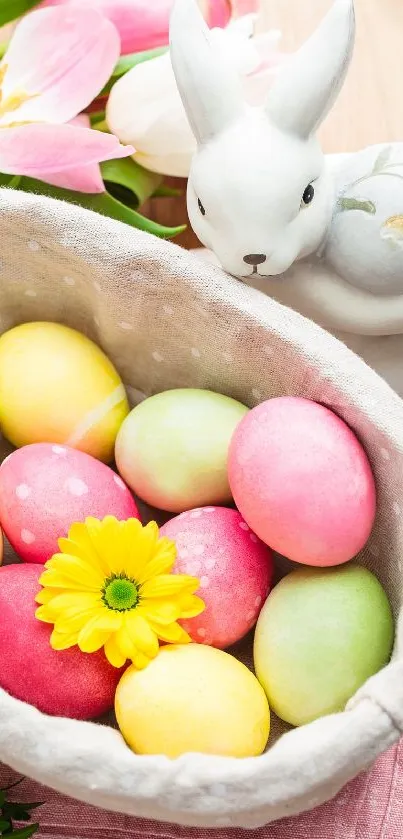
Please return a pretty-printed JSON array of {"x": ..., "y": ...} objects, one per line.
[
  {"x": 18, "y": 812},
  {"x": 24, "y": 832},
  {"x": 102, "y": 203},
  {"x": 4, "y": 826},
  {"x": 13, "y": 9},
  {"x": 127, "y": 62},
  {"x": 165, "y": 191},
  {"x": 96, "y": 117},
  {"x": 126, "y": 174}
]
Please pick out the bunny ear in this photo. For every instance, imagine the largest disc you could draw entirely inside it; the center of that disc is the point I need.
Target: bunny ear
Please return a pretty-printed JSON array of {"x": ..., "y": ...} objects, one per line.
[
  {"x": 309, "y": 82},
  {"x": 209, "y": 88}
]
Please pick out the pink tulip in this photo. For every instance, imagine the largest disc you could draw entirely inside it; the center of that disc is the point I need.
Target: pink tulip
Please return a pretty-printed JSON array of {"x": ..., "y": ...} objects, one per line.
[
  {"x": 144, "y": 24},
  {"x": 57, "y": 62}
]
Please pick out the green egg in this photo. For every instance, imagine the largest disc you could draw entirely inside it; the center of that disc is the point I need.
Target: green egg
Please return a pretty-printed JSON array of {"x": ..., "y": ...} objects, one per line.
[
  {"x": 172, "y": 449},
  {"x": 320, "y": 635}
]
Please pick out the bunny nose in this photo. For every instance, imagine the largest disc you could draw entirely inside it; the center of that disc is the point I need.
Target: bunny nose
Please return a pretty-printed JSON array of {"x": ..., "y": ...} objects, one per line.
[{"x": 254, "y": 258}]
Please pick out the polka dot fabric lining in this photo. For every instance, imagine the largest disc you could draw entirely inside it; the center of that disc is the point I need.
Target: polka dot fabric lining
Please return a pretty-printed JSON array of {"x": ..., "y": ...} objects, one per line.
[{"x": 167, "y": 320}]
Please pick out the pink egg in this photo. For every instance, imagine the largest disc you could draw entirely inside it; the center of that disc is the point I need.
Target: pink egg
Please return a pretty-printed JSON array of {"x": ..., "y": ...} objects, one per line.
[
  {"x": 302, "y": 481},
  {"x": 235, "y": 570},
  {"x": 44, "y": 488},
  {"x": 65, "y": 683}
]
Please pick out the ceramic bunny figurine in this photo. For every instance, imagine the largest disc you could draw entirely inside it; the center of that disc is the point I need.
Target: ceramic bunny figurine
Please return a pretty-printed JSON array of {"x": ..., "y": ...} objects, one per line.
[{"x": 322, "y": 234}]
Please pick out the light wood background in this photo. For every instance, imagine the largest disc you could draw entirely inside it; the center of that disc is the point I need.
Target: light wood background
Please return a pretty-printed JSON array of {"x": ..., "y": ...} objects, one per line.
[{"x": 370, "y": 107}]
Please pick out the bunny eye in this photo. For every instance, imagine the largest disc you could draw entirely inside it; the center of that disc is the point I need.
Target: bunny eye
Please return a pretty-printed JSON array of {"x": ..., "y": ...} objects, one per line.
[
  {"x": 201, "y": 208},
  {"x": 308, "y": 195}
]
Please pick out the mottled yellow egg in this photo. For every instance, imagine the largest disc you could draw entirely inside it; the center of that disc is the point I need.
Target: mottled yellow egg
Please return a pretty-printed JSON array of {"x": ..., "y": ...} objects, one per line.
[
  {"x": 57, "y": 386},
  {"x": 193, "y": 698}
]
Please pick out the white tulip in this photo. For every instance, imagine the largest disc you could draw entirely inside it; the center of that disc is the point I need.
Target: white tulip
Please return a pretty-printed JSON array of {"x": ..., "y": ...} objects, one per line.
[{"x": 145, "y": 110}]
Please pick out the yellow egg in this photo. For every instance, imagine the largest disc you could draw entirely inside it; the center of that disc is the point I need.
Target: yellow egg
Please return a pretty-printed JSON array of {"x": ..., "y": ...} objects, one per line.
[
  {"x": 57, "y": 386},
  {"x": 193, "y": 698}
]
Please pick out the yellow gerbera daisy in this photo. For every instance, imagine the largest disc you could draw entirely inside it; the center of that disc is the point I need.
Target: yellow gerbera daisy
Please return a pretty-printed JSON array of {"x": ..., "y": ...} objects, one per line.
[{"x": 111, "y": 586}]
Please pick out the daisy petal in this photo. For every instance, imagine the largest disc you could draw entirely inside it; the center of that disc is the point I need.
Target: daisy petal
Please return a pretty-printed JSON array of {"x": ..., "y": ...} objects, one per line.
[
  {"x": 46, "y": 595},
  {"x": 77, "y": 570},
  {"x": 141, "y": 661},
  {"x": 96, "y": 631},
  {"x": 160, "y": 611},
  {"x": 106, "y": 538},
  {"x": 61, "y": 57},
  {"x": 73, "y": 621},
  {"x": 125, "y": 643},
  {"x": 134, "y": 550},
  {"x": 113, "y": 652},
  {"x": 148, "y": 542},
  {"x": 173, "y": 634},
  {"x": 168, "y": 585},
  {"x": 143, "y": 637},
  {"x": 45, "y": 614},
  {"x": 74, "y": 600},
  {"x": 79, "y": 544},
  {"x": 162, "y": 563},
  {"x": 191, "y": 606},
  {"x": 61, "y": 641},
  {"x": 51, "y": 579}
]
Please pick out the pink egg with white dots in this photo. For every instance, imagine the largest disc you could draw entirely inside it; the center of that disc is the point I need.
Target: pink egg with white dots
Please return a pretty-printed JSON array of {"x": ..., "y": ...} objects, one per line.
[
  {"x": 234, "y": 567},
  {"x": 45, "y": 488}
]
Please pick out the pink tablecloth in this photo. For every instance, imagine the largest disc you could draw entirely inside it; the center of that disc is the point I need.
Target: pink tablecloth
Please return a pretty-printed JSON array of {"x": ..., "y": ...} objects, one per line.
[{"x": 371, "y": 807}]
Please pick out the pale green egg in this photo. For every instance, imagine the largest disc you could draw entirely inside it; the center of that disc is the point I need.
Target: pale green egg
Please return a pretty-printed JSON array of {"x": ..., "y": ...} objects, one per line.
[
  {"x": 172, "y": 449},
  {"x": 320, "y": 635}
]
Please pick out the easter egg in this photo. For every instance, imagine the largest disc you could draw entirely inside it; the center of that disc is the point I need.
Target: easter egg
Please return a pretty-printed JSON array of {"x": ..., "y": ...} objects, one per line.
[
  {"x": 45, "y": 488},
  {"x": 234, "y": 567},
  {"x": 57, "y": 386},
  {"x": 193, "y": 698},
  {"x": 65, "y": 683},
  {"x": 321, "y": 633},
  {"x": 302, "y": 481},
  {"x": 1, "y": 546},
  {"x": 172, "y": 449}
]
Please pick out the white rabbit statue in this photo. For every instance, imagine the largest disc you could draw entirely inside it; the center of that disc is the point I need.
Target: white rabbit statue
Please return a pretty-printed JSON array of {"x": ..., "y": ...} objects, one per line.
[{"x": 322, "y": 234}]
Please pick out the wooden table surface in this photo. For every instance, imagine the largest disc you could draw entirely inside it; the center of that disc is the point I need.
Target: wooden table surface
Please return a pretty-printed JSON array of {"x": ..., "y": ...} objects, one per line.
[{"x": 370, "y": 106}]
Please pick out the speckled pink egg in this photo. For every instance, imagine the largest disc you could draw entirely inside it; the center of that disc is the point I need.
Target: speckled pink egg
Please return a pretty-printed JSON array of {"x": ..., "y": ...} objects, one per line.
[
  {"x": 65, "y": 683},
  {"x": 44, "y": 488},
  {"x": 302, "y": 481},
  {"x": 235, "y": 570}
]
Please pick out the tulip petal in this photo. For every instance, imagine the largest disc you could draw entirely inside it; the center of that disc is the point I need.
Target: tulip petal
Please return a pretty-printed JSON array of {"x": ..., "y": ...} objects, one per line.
[
  {"x": 61, "y": 58},
  {"x": 82, "y": 178},
  {"x": 40, "y": 151},
  {"x": 144, "y": 24}
]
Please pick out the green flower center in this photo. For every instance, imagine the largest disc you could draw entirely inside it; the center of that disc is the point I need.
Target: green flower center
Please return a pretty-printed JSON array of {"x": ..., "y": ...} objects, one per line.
[{"x": 120, "y": 593}]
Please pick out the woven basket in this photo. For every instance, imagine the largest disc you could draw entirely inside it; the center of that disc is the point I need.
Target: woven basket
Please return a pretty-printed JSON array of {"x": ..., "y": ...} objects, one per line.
[{"x": 167, "y": 320}]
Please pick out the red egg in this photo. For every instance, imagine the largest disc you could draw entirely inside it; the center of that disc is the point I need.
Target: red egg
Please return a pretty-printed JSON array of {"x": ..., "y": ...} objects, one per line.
[
  {"x": 44, "y": 488},
  {"x": 235, "y": 570},
  {"x": 65, "y": 683},
  {"x": 302, "y": 481}
]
